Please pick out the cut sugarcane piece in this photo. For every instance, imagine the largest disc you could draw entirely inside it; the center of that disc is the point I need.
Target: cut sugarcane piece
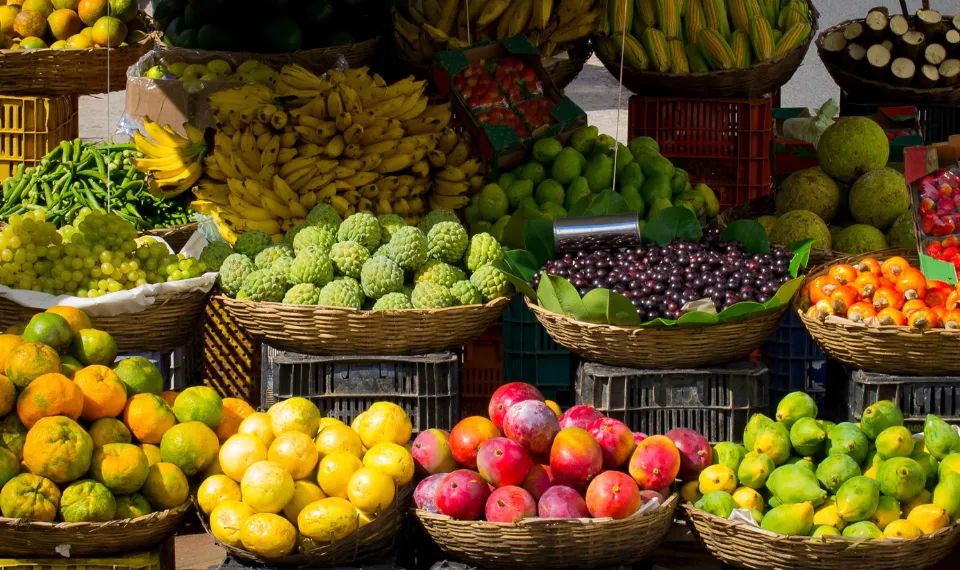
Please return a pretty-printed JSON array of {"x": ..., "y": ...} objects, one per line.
[
  {"x": 903, "y": 71},
  {"x": 878, "y": 60},
  {"x": 855, "y": 55},
  {"x": 853, "y": 31},
  {"x": 913, "y": 45},
  {"x": 877, "y": 21},
  {"x": 930, "y": 22},
  {"x": 835, "y": 44},
  {"x": 898, "y": 25},
  {"x": 950, "y": 72},
  {"x": 935, "y": 54},
  {"x": 929, "y": 76}
]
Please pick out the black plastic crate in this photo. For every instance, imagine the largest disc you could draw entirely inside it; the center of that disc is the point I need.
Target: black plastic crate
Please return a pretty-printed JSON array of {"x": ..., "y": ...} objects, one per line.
[
  {"x": 427, "y": 387},
  {"x": 937, "y": 122},
  {"x": 795, "y": 362},
  {"x": 530, "y": 354},
  {"x": 717, "y": 402},
  {"x": 917, "y": 396}
]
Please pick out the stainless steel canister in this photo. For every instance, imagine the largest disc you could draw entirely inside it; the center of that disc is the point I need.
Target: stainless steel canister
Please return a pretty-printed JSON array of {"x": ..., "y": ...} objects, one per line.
[{"x": 596, "y": 232}]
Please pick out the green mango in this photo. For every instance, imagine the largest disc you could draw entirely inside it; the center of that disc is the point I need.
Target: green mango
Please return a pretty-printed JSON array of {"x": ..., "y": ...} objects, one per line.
[
  {"x": 517, "y": 191},
  {"x": 895, "y": 441},
  {"x": 848, "y": 439},
  {"x": 794, "y": 406},
  {"x": 825, "y": 425},
  {"x": 729, "y": 454},
  {"x": 631, "y": 195},
  {"x": 801, "y": 462},
  {"x": 719, "y": 503},
  {"x": 655, "y": 164},
  {"x": 546, "y": 150},
  {"x": 567, "y": 166},
  {"x": 836, "y": 470},
  {"x": 550, "y": 191},
  {"x": 774, "y": 442},
  {"x": 807, "y": 437},
  {"x": 824, "y": 530},
  {"x": 863, "y": 529},
  {"x": 857, "y": 499},
  {"x": 879, "y": 416},
  {"x": 710, "y": 200},
  {"x": 754, "y": 425},
  {"x": 901, "y": 478},
  {"x": 680, "y": 181},
  {"x": 656, "y": 186},
  {"x": 658, "y": 205},
  {"x": 576, "y": 191},
  {"x": 790, "y": 520},
  {"x": 754, "y": 470},
  {"x": 795, "y": 484},
  {"x": 643, "y": 144},
  {"x": 928, "y": 462},
  {"x": 940, "y": 437},
  {"x": 631, "y": 175},
  {"x": 599, "y": 172},
  {"x": 583, "y": 139},
  {"x": 623, "y": 159},
  {"x": 947, "y": 494},
  {"x": 506, "y": 179},
  {"x": 533, "y": 171},
  {"x": 604, "y": 145}
]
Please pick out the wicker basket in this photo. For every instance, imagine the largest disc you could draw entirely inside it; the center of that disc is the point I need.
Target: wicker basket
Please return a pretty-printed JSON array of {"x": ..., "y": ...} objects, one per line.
[
  {"x": 746, "y": 546},
  {"x": 551, "y": 543},
  {"x": 342, "y": 331},
  {"x": 374, "y": 541},
  {"x": 662, "y": 348},
  {"x": 564, "y": 70},
  {"x": 24, "y": 538},
  {"x": 860, "y": 88},
  {"x": 888, "y": 350},
  {"x": 747, "y": 83},
  {"x": 320, "y": 60},
  {"x": 169, "y": 323},
  {"x": 175, "y": 236},
  {"x": 72, "y": 71}
]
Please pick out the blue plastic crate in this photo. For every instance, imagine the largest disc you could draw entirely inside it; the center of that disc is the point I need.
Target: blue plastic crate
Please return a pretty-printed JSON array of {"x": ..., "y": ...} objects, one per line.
[
  {"x": 795, "y": 361},
  {"x": 529, "y": 354}
]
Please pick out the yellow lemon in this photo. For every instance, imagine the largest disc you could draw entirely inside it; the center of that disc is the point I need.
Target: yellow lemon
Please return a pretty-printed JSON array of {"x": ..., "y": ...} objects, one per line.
[
  {"x": 901, "y": 529},
  {"x": 227, "y": 519},
  {"x": 257, "y": 424},
  {"x": 335, "y": 471},
  {"x": 328, "y": 520},
  {"x": 371, "y": 490},
  {"x": 929, "y": 518},
  {"x": 215, "y": 490},
  {"x": 356, "y": 421},
  {"x": 295, "y": 414},
  {"x": 304, "y": 493},
  {"x": 269, "y": 535},
  {"x": 338, "y": 437},
  {"x": 384, "y": 421},
  {"x": 747, "y": 498},
  {"x": 240, "y": 452},
  {"x": 295, "y": 451},
  {"x": 393, "y": 460},
  {"x": 717, "y": 478},
  {"x": 267, "y": 487},
  {"x": 554, "y": 407},
  {"x": 690, "y": 491}
]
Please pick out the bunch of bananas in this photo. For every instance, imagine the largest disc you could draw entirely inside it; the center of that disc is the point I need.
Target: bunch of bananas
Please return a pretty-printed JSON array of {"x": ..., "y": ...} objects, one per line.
[
  {"x": 430, "y": 26},
  {"x": 346, "y": 138},
  {"x": 172, "y": 163}
]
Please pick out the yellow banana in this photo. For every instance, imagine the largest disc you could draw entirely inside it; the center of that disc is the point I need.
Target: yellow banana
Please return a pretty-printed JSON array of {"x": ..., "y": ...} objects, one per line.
[
  {"x": 296, "y": 164},
  {"x": 270, "y": 151},
  {"x": 282, "y": 189},
  {"x": 194, "y": 135},
  {"x": 350, "y": 98},
  {"x": 492, "y": 11},
  {"x": 353, "y": 134},
  {"x": 352, "y": 151},
  {"x": 437, "y": 159},
  {"x": 446, "y": 188},
  {"x": 343, "y": 121},
  {"x": 163, "y": 136},
  {"x": 335, "y": 147},
  {"x": 286, "y": 155},
  {"x": 447, "y": 140},
  {"x": 395, "y": 163},
  {"x": 470, "y": 167},
  {"x": 334, "y": 104},
  {"x": 450, "y": 174},
  {"x": 438, "y": 202},
  {"x": 541, "y": 14},
  {"x": 266, "y": 173}
]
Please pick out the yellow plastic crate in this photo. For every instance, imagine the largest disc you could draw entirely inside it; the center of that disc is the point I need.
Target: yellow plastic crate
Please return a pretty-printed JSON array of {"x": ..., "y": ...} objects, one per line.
[
  {"x": 231, "y": 356},
  {"x": 30, "y": 127},
  {"x": 139, "y": 561}
]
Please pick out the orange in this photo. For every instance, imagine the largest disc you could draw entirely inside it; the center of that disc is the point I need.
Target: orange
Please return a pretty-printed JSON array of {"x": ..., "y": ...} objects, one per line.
[
  {"x": 92, "y": 346},
  {"x": 29, "y": 23},
  {"x": 304, "y": 493},
  {"x": 104, "y": 395},
  {"x": 31, "y": 360},
  {"x": 235, "y": 411},
  {"x": 335, "y": 471},
  {"x": 166, "y": 486},
  {"x": 124, "y": 10},
  {"x": 48, "y": 328},
  {"x": 392, "y": 459},
  {"x": 8, "y": 14},
  {"x": 29, "y": 496},
  {"x": 328, "y": 520},
  {"x": 294, "y": 451},
  {"x": 109, "y": 32},
  {"x": 199, "y": 404},
  {"x": 66, "y": 4},
  {"x": 70, "y": 366},
  {"x": 169, "y": 396},
  {"x": 371, "y": 490},
  {"x": 215, "y": 490},
  {"x": 49, "y": 395},
  {"x": 13, "y": 434},
  {"x": 133, "y": 506},
  {"x": 122, "y": 467},
  {"x": 227, "y": 519},
  {"x": 45, "y": 7},
  {"x": 240, "y": 452},
  {"x": 33, "y": 42},
  {"x": 148, "y": 417},
  {"x": 258, "y": 425},
  {"x": 7, "y": 341},
  {"x": 295, "y": 414},
  {"x": 191, "y": 446},
  {"x": 9, "y": 466},
  {"x": 87, "y": 501},
  {"x": 338, "y": 437},
  {"x": 152, "y": 452},
  {"x": 140, "y": 375},
  {"x": 77, "y": 319},
  {"x": 109, "y": 430},
  {"x": 8, "y": 395},
  {"x": 268, "y": 535},
  {"x": 92, "y": 10},
  {"x": 267, "y": 487},
  {"x": 79, "y": 41},
  {"x": 57, "y": 448}
]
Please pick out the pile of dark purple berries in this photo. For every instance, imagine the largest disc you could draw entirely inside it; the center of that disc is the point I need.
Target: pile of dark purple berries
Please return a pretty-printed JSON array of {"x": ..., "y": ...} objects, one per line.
[{"x": 661, "y": 280}]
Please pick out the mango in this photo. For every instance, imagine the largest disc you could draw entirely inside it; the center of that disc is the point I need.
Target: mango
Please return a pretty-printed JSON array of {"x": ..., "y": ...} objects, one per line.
[
  {"x": 807, "y": 437},
  {"x": 949, "y": 463},
  {"x": 888, "y": 510},
  {"x": 863, "y": 529},
  {"x": 791, "y": 520},
  {"x": 794, "y": 406},
  {"x": 879, "y": 416},
  {"x": 717, "y": 478},
  {"x": 847, "y": 438},
  {"x": 895, "y": 441},
  {"x": 940, "y": 438},
  {"x": 754, "y": 470},
  {"x": 642, "y": 144},
  {"x": 718, "y": 503},
  {"x": 923, "y": 498},
  {"x": 690, "y": 491},
  {"x": 929, "y": 518},
  {"x": 836, "y": 470},
  {"x": 825, "y": 530},
  {"x": 774, "y": 442},
  {"x": 947, "y": 494},
  {"x": 756, "y": 423},
  {"x": 901, "y": 478},
  {"x": 729, "y": 454},
  {"x": 858, "y": 498},
  {"x": 901, "y": 529},
  {"x": 929, "y": 463},
  {"x": 794, "y": 484},
  {"x": 828, "y": 514},
  {"x": 583, "y": 140},
  {"x": 747, "y": 498}
]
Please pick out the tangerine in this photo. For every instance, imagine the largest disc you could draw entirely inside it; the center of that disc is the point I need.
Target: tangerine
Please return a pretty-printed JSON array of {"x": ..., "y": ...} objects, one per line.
[
  {"x": 139, "y": 374},
  {"x": 8, "y": 395},
  {"x": 166, "y": 486},
  {"x": 77, "y": 319},
  {"x": 92, "y": 10},
  {"x": 29, "y": 496},
  {"x": 49, "y": 395},
  {"x": 122, "y": 467},
  {"x": 109, "y": 32},
  {"x": 80, "y": 41},
  {"x": 199, "y": 404},
  {"x": 30, "y": 360},
  {"x": 13, "y": 434},
  {"x": 8, "y": 14},
  {"x": 7, "y": 341},
  {"x": 57, "y": 448},
  {"x": 92, "y": 346},
  {"x": 104, "y": 395},
  {"x": 169, "y": 396},
  {"x": 148, "y": 417},
  {"x": 87, "y": 501},
  {"x": 70, "y": 366},
  {"x": 109, "y": 430},
  {"x": 152, "y": 452},
  {"x": 47, "y": 328},
  {"x": 235, "y": 411},
  {"x": 191, "y": 446},
  {"x": 133, "y": 506},
  {"x": 45, "y": 7}
]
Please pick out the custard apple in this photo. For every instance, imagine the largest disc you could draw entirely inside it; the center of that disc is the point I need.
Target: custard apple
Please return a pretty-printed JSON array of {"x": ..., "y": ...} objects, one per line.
[
  {"x": 435, "y": 217},
  {"x": 392, "y": 302},
  {"x": 348, "y": 257},
  {"x": 292, "y": 233},
  {"x": 466, "y": 293},
  {"x": 408, "y": 247},
  {"x": 264, "y": 285},
  {"x": 233, "y": 271},
  {"x": 252, "y": 243},
  {"x": 324, "y": 216},
  {"x": 389, "y": 224},
  {"x": 440, "y": 273},
  {"x": 482, "y": 250},
  {"x": 339, "y": 294},
  {"x": 272, "y": 253},
  {"x": 379, "y": 276},
  {"x": 214, "y": 254},
  {"x": 311, "y": 266},
  {"x": 241, "y": 296},
  {"x": 491, "y": 282},
  {"x": 314, "y": 236},
  {"x": 302, "y": 294},
  {"x": 381, "y": 251},
  {"x": 353, "y": 283},
  {"x": 361, "y": 228},
  {"x": 429, "y": 295},
  {"x": 282, "y": 266},
  {"x": 446, "y": 242}
]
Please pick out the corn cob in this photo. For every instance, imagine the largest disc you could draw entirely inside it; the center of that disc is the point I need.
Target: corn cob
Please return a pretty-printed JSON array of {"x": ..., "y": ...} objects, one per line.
[
  {"x": 771, "y": 9},
  {"x": 793, "y": 13},
  {"x": 633, "y": 53},
  {"x": 740, "y": 13},
  {"x": 657, "y": 49},
  {"x": 694, "y": 21},
  {"x": 715, "y": 49},
  {"x": 715, "y": 15},
  {"x": 678, "y": 57},
  {"x": 777, "y": 34},
  {"x": 647, "y": 10},
  {"x": 695, "y": 59},
  {"x": 619, "y": 15},
  {"x": 741, "y": 49},
  {"x": 668, "y": 18},
  {"x": 761, "y": 37},
  {"x": 794, "y": 36}
]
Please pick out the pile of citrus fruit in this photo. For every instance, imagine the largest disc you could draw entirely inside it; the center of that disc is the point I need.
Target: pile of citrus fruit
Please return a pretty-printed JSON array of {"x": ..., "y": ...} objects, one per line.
[
  {"x": 69, "y": 24},
  {"x": 87, "y": 438},
  {"x": 290, "y": 479}
]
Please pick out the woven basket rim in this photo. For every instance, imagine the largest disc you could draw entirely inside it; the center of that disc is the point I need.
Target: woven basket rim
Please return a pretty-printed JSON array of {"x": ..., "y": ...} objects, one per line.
[
  {"x": 349, "y": 311},
  {"x": 29, "y": 524}
]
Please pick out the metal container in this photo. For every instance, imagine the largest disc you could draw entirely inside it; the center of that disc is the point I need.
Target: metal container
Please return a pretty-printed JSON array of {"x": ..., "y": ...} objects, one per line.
[{"x": 596, "y": 232}]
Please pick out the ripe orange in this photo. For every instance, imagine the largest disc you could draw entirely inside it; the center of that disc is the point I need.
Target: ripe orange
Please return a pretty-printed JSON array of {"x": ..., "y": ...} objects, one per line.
[
  {"x": 77, "y": 319},
  {"x": 122, "y": 467},
  {"x": 109, "y": 32},
  {"x": 66, "y": 4},
  {"x": 92, "y": 10},
  {"x": 124, "y": 10},
  {"x": 48, "y": 328},
  {"x": 235, "y": 411},
  {"x": 169, "y": 396},
  {"x": 49, "y": 395},
  {"x": 104, "y": 395},
  {"x": 29, "y": 23},
  {"x": 8, "y": 395},
  {"x": 166, "y": 486},
  {"x": 7, "y": 341},
  {"x": 79, "y": 41},
  {"x": 29, "y": 496},
  {"x": 152, "y": 452},
  {"x": 148, "y": 417},
  {"x": 30, "y": 360},
  {"x": 57, "y": 448}
]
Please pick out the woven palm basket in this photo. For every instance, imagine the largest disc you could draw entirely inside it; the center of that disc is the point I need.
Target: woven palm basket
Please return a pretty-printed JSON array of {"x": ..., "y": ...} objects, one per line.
[
  {"x": 888, "y": 350},
  {"x": 321, "y": 59},
  {"x": 746, "y": 546},
  {"x": 663, "y": 348},
  {"x": 333, "y": 331},
  {"x": 375, "y": 541},
  {"x": 169, "y": 323},
  {"x": 564, "y": 70},
  {"x": 175, "y": 236},
  {"x": 551, "y": 543},
  {"x": 24, "y": 538},
  {"x": 748, "y": 83}
]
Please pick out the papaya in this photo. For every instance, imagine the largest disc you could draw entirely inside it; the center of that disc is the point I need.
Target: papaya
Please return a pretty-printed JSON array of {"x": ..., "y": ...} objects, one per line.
[
  {"x": 794, "y": 484},
  {"x": 807, "y": 437},
  {"x": 879, "y": 416},
  {"x": 836, "y": 470},
  {"x": 858, "y": 498},
  {"x": 901, "y": 478},
  {"x": 794, "y": 406},
  {"x": 791, "y": 520},
  {"x": 947, "y": 494},
  {"x": 756, "y": 423},
  {"x": 939, "y": 437},
  {"x": 846, "y": 438}
]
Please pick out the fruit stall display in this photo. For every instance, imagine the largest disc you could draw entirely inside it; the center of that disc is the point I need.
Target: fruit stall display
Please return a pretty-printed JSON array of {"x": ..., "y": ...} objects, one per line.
[
  {"x": 895, "y": 493},
  {"x": 938, "y": 207}
]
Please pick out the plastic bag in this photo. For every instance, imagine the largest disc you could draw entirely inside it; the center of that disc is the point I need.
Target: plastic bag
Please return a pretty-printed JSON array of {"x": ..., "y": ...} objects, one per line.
[{"x": 810, "y": 129}]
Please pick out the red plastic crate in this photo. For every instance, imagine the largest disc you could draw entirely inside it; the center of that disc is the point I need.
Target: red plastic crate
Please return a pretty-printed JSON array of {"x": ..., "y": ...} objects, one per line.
[
  {"x": 724, "y": 143},
  {"x": 481, "y": 372}
]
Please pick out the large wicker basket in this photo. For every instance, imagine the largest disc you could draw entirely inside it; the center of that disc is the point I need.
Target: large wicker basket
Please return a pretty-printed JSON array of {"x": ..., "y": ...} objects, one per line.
[
  {"x": 888, "y": 350},
  {"x": 339, "y": 331},
  {"x": 564, "y": 70},
  {"x": 169, "y": 323},
  {"x": 23, "y": 538},
  {"x": 653, "y": 347},
  {"x": 747, "y": 83},
  {"x": 72, "y": 71},
  {"x": 175, "y": 236},
  {"x": 374, "y": 541},
  {"x": 320, "y": 59},
  {"x": 746, "y": 546},
  {"x": 551, "y": 543}
]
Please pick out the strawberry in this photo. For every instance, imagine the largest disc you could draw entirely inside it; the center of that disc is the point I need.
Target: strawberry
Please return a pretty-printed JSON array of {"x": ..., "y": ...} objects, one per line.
[{"x": 934, "y": 249}]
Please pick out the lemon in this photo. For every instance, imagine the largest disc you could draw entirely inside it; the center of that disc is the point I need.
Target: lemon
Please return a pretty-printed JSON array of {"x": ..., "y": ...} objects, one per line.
[
  {"x": 393, "y": 460},
  {"x": 267, "y": 487},
  {"x": 227, "y": 519},
  {"x": 219, "y": 67},
  {"x": 304, "y": 493},
  {"x": 215, "y": 490}
]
